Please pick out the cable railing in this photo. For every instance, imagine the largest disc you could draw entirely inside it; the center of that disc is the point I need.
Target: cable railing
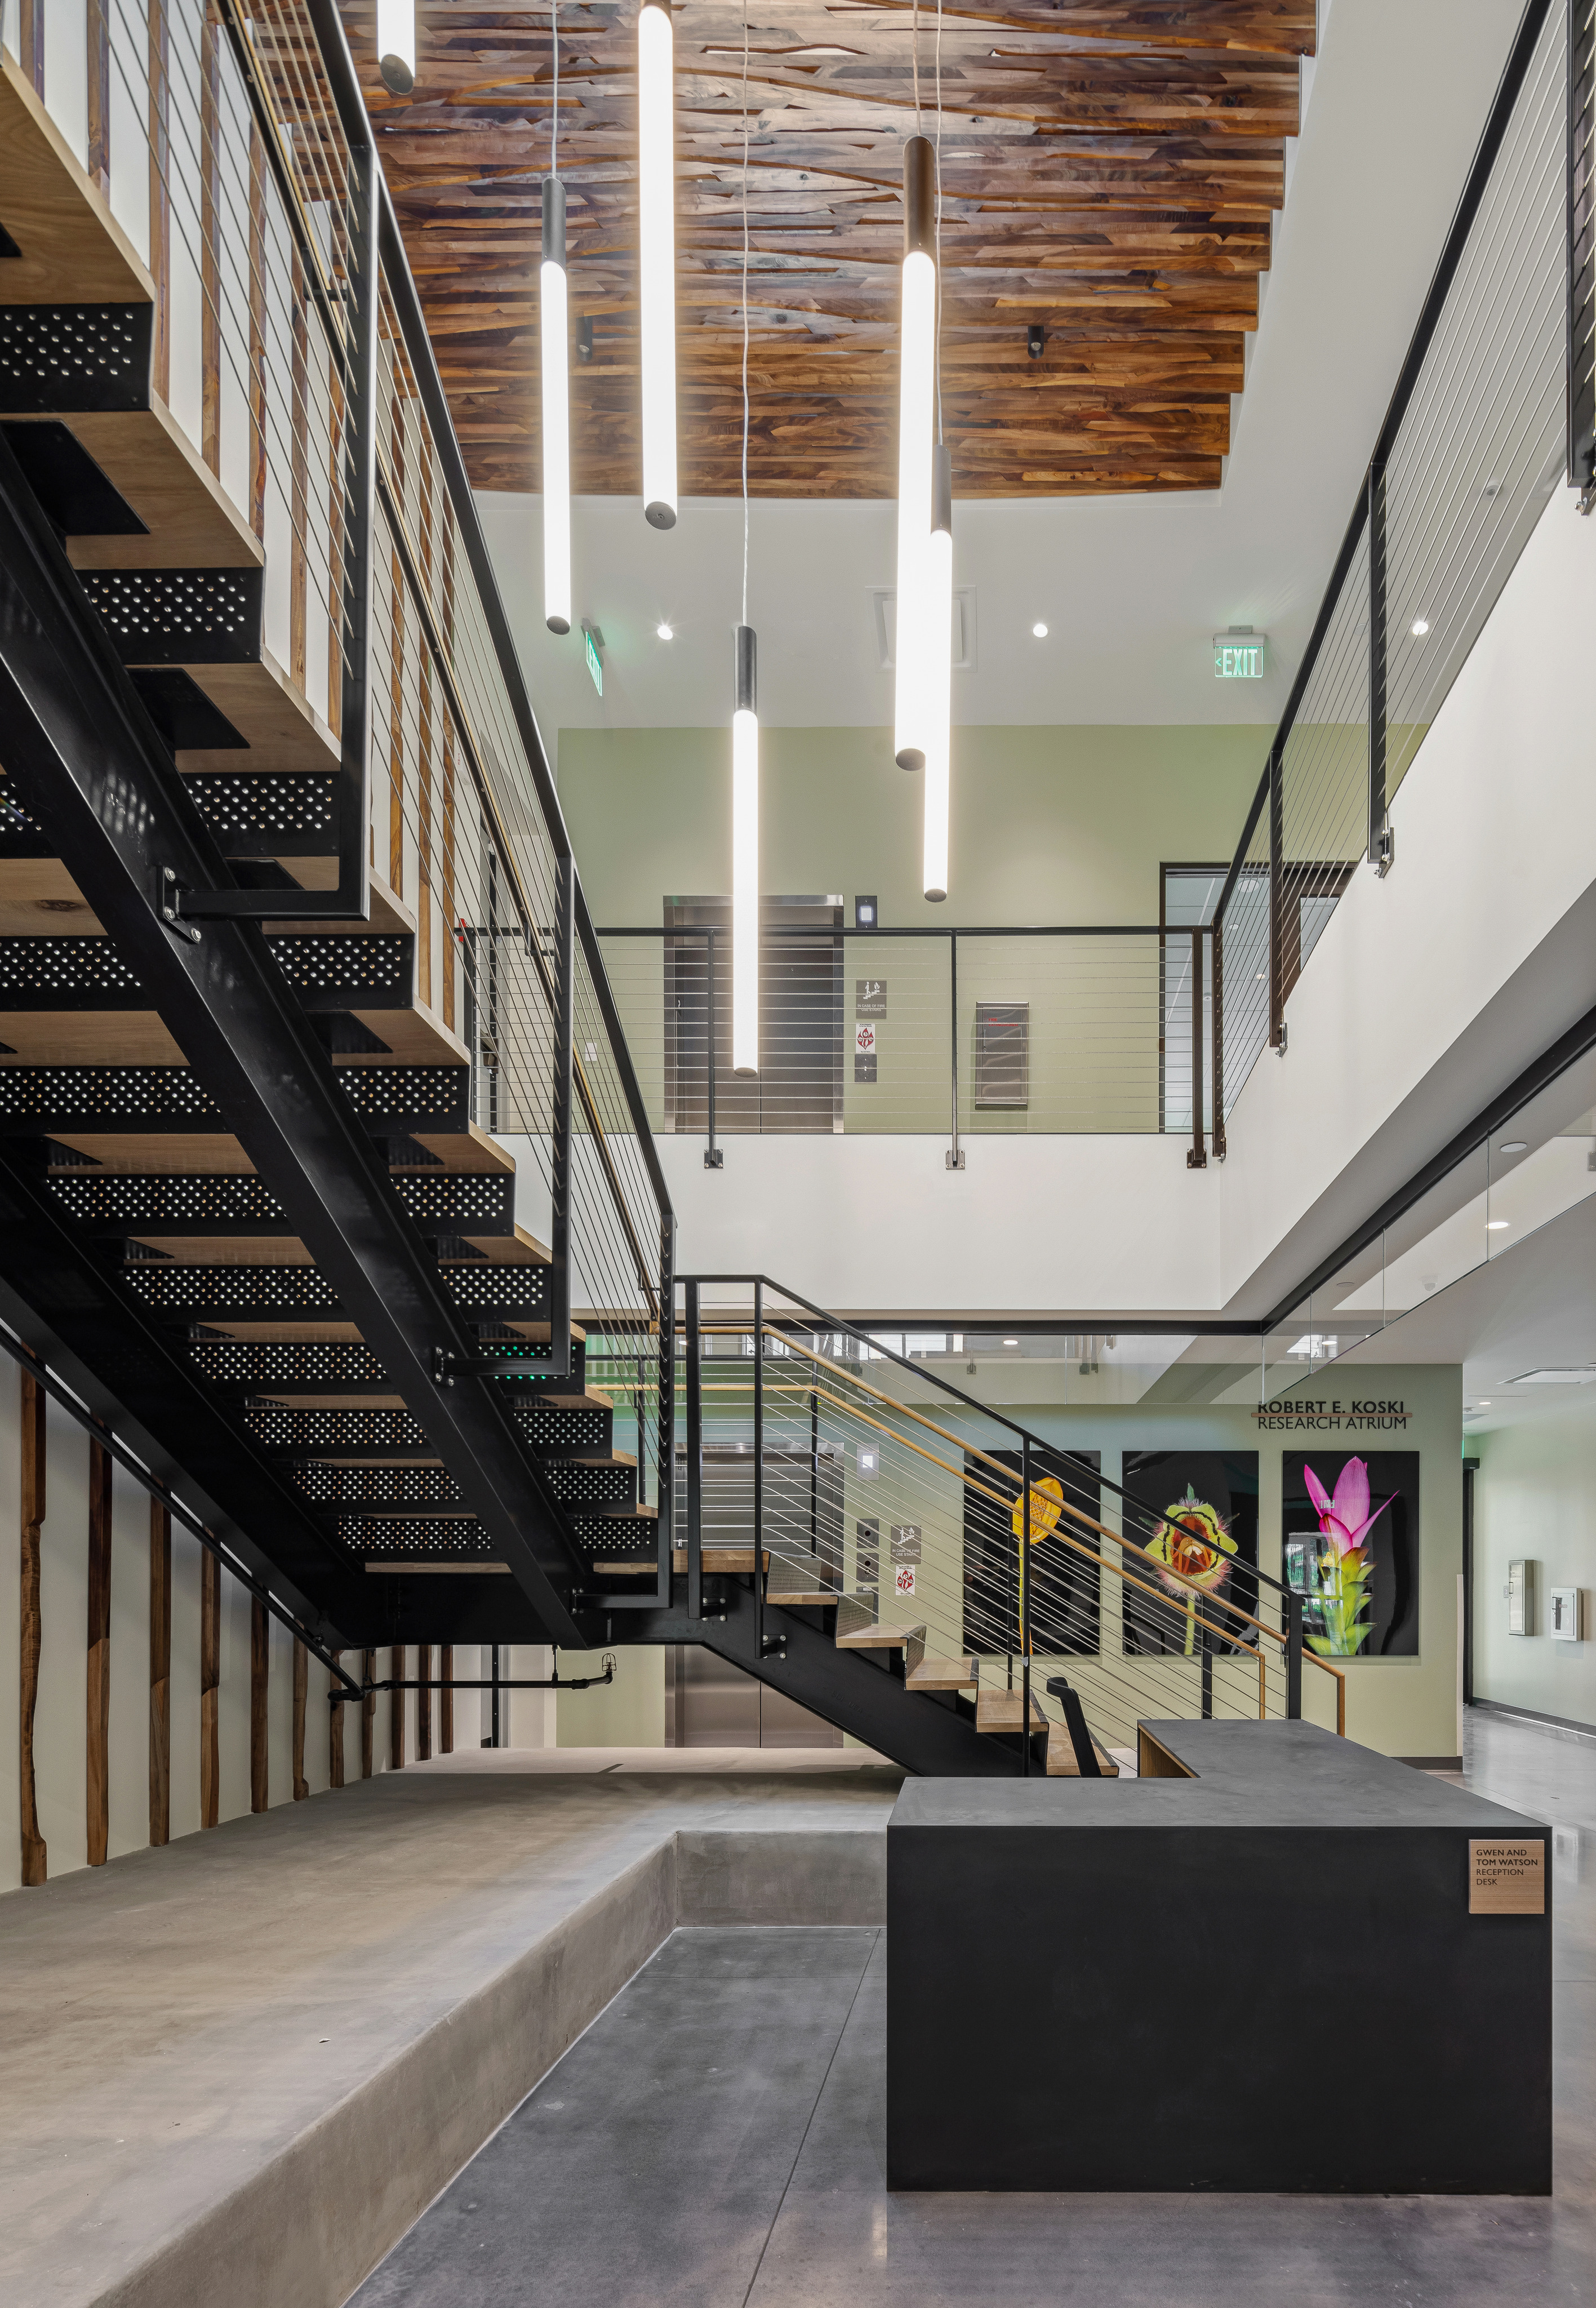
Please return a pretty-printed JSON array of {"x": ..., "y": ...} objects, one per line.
[
  {"x": 961, "y": 1032},
  {"x": 877, "y": 1487},
  {"x": 1493, "y": 407}
]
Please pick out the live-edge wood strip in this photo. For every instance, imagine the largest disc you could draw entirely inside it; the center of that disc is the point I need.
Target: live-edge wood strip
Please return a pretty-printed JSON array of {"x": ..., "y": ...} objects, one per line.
[
  {"x": 335, "y": 1736},
  {"x": 396, "y": 1710},
  {"x": 446, "y": 1701},
  {"x": 300, "y": 1696},
  {"x": 96, "y": 1773},
  {"x": 368, "y": 1716},
  {"x": 160, "y": 200},
  {"x": 423, "y": 1704},
  {"x": 210, "y": 252},
  {"x": 210, "y": 1689},
  {"x": 160, "y": 1673},
  {"x": 98, "y": 28},
  {"x": 259, "y": 1670},
  {"x": 35, "y": 1856}
]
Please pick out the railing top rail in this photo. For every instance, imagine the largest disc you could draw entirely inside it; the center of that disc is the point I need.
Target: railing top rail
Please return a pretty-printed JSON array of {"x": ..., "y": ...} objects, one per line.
[
  {"x": 1054, "y": 1452},
  {"x": 922, "y": 930}
]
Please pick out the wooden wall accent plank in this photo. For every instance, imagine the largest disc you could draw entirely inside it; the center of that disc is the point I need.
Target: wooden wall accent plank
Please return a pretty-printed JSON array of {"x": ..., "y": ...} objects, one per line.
[
  {"x": 211, "y": 35},
  {"x": 423, "y": 1704},
  {"x": 396, "y": 1712},
  {"x": 160, "y": 1673},
  {"x": 1109, "y": 171},
  {"x": 301, "y": 1693},
  {"x": 210, "y": 1689},
  {"x": 35, "y": 1865},
  {"x": 97, "y": 1723},
  {"x": 257, "y": 331},
  {"x": 161, "y": 198},
  {"x": 446, "y": 1701},
  {"x": 31, "y": 43},
  {"x": 259, "y": 1670},
  {"x": 335, "y": 1736},
  {"x": 368, "y": 1718},
  {"x": 98, "y": 29}
]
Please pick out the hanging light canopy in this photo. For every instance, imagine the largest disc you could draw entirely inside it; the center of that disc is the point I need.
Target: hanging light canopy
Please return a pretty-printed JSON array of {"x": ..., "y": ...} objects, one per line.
[
  {"x": 917, "y": 374},
  {"x": 553, "y": 330},
  {"x": 939, "y": 674},
  {"x": 396, "y": 44},
  {"x": 656, "y": 231},
  {"x": 745, "y": 858}
]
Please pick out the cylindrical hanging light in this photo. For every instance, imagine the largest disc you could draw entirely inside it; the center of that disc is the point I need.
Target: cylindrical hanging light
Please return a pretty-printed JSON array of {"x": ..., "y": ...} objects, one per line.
[
  {"x": 396, "y": 44},
  {"x": 656, "y": 251},
  {"x": 553, "y": 331},
  {"x": 917, "y": 373},
  {"x": 745, "y": 858},
  {"x": 939, "y": 674}
]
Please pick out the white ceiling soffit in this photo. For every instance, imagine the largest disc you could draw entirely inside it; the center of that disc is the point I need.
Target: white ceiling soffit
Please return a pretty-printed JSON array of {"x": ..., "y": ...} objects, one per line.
[{"x": 1131, "y": 588}]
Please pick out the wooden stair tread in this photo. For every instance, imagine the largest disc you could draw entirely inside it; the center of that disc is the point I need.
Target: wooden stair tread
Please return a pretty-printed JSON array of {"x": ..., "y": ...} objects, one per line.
[
  {"x": 1003, "y": 1710},
  {"x": 943, "y": 1675},
  {"x": 722, "y": 1559},
  {"x": 611, "y": 1510},
  {"x": 643, "y": 1567},
  {"x": 1060, "y": 1756},
  {"x": 879, "y": 1639},
  {"x": 807, "y": 1596}
]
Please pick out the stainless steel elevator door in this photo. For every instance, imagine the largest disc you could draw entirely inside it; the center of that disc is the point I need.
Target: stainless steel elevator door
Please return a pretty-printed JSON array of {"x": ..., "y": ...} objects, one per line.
[{"x": 711, "y": 1703}]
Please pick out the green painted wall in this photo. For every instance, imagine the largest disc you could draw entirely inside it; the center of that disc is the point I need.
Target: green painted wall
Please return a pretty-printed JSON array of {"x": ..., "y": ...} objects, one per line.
[
  {"x": 1535, "y": 1496},
  {"x": 1058, "y": 824}
]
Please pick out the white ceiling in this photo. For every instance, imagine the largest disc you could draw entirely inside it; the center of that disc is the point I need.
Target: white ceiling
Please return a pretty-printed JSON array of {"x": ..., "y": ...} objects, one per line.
[{"x": 1131, "y": 587}]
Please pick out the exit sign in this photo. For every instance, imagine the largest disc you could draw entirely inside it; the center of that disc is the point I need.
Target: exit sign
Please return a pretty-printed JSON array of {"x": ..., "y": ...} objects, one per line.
[{"x": 1239, "y": 656}]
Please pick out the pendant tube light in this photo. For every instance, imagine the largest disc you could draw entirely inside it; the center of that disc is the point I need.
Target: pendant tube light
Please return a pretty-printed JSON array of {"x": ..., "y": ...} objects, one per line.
[
  {"x": 939, "y": 674},
  {"x": 553, "y": 330},
  {"x": 396, "y": 44},
  {"x": 745, "y": 858},
  {"x": 917, "y": 372},
  {"x": 656, "y": 253}
]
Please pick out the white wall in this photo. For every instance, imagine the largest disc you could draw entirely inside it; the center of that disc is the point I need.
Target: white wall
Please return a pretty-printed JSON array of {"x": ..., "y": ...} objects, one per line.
[{"x": 1535, "y": 1497}]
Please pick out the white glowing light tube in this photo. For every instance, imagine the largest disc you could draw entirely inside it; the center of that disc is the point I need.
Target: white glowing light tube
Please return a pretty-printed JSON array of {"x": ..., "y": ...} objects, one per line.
[
  {"x": 553, "y": 332},
  {"x": 396, "y": 44},
  {"x": 656, "y": 250},
  {"x": 745, "y": 860},
  {"x": 917, "y": 376},
  {"x": 938, "y": 675}
]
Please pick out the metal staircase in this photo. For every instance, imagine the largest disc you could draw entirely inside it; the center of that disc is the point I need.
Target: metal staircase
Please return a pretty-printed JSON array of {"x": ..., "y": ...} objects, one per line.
[{"x": 325, "y": 1178}]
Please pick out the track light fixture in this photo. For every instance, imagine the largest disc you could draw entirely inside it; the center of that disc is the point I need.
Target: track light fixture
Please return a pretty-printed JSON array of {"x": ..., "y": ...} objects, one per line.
[
  {"x": 745, "y": 858},
  {"x": 553, "y": 326},
  {"x": 657, "y": 240},
  {"x": 917, "y": 369},
  {"x": 939, "y": 674},
  {"x": 396, "y": 44}
]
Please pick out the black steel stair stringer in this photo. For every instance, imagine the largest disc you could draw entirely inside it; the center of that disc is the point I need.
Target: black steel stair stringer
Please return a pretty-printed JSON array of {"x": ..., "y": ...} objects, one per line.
[{"x": 94, "y": 777}]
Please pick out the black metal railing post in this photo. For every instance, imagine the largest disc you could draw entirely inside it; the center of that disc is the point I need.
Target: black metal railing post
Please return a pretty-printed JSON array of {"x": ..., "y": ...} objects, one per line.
[
  {"x": 712, "y": 1153},
  {"x": 691, "y": 1349},
  {"x": 560, "y": 1158},
  {"x": 1276, "y": 899},
  {"x": 1207, "y": 1675},
  {"x": 1581, "y": 348},
  {"x": 1378, "y": 838},
  {"x": 814, "y": 1472},
  {"x": 1024, "y": 1606},
  {"x": 1216, "y": 965},
  {"x": 665, "y": 1436},
  {"x": 955, "y": 1158},
  {"x": 1197, "y": 1158},
  {"x": 1293, "y": 1604},
  {"x": 759, "y": 1469}
]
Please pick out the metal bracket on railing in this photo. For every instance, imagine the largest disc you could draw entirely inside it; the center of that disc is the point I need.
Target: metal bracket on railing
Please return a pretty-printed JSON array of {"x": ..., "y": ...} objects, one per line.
[
  {"x": 448, "y": 1366},
  {"x": 1384, "y": 851},
  {"x": 773, "y": 1647},
  {"x": 169, "y": 896}
]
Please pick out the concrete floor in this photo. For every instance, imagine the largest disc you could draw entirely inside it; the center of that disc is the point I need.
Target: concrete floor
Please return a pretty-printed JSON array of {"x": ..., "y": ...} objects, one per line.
[{"x": 716, "y": 2138}]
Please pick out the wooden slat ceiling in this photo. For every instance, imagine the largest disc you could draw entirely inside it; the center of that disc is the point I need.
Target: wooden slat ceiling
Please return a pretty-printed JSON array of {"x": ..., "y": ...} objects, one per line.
[{"x": 1108, "y": 169}]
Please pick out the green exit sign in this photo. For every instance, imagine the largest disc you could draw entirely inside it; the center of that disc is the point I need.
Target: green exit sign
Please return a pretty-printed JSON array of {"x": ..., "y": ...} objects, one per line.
[
  {"x": 592, "y": 638},
  {"x": 1239, "y": 655}
]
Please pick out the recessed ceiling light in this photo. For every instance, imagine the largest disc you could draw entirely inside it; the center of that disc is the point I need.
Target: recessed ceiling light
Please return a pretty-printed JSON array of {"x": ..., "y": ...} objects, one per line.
[
  {"x": 1418, "y": 628},
  {"x": 1496, "y": 1226},
  {"x": 666, "y": 632},
  {"x": 1039, "y": 631},
  {"x": 1515, "y": 1146},
  {"x": 1485, "y": 1405},
  {"x": 1011, "y": 1342}
]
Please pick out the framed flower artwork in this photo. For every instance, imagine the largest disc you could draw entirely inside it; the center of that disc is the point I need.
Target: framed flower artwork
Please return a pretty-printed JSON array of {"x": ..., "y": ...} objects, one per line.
[{"x": 1350, "y": 1548}]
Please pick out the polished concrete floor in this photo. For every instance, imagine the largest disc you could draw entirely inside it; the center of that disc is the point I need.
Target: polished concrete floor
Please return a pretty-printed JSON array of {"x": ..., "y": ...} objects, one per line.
[{"x": 717, "y": 2138}]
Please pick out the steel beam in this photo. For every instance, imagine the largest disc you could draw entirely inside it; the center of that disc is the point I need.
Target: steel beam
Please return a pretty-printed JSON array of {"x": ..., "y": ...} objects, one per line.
[{"x": 92, "y": 774}]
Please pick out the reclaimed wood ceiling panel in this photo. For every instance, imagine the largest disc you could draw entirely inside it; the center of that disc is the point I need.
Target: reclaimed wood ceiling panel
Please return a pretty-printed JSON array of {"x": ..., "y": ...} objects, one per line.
[{"x": 1109, "y": 171}]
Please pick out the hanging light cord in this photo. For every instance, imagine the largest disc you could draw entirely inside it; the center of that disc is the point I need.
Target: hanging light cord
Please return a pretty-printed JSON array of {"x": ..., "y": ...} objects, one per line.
[
  {"x": 937, "y": 226},
  {"x": 745, "y": 315},
  {"x": 917, "y": 58},
  {"x": 554, "y": 114}
]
